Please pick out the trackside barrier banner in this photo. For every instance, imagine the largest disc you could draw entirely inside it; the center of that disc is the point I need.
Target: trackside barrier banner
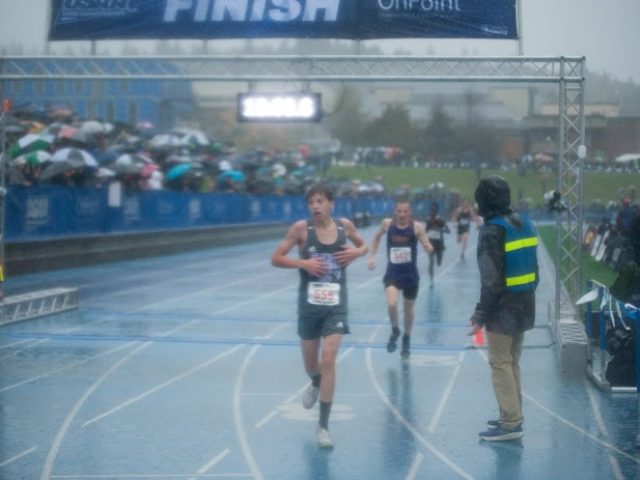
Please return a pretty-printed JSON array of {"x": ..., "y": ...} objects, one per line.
[
  {"x": 49, "y": 211},
  {"x": 348, "y": 19}
]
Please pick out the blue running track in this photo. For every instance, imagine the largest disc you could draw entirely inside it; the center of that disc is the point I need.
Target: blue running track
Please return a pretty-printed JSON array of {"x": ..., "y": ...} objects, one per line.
[{"x": 189, "y": 367}]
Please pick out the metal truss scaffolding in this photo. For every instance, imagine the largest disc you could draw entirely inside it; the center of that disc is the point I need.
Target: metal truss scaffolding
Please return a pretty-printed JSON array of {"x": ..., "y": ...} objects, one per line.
[{"x": 566, "y": 72}]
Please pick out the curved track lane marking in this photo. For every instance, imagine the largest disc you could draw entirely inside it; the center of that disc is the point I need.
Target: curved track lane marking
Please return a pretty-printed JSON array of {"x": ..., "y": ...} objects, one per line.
[
  {"x": 571, "y": 425},
  {"x": 17, "y": 456},
  {"x": 402, "y": 420},
  {"x": 55, "y": 447},
  {"x": 57, "y": 441},
  {"x": 159, "y": 387}
]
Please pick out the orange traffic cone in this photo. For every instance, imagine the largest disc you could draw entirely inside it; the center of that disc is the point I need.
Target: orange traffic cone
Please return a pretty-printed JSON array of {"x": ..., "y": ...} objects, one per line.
[{"x": 478, "y": 338}]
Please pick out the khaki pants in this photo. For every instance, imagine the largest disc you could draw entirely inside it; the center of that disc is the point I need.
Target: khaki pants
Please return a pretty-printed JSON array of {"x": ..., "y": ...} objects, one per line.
[{"x": 504, "y": 359}]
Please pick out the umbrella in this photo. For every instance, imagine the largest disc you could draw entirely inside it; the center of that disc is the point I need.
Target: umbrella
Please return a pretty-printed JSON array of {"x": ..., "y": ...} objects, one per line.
[
  {"x": 125, "y": 168},
  {"x": 165, "y": 140},
  {"x": 180, "y": 159},
  {"x": 196, "y": 138},
  {"x": 628, "y": 158},
  {"x": 105, "y": 173},
  {"x": 92, "y": 128},
  {"x": 29, "y": 143},
  {"x": 75, "y": 157},
  {"x": 235, "y": 175},
  {"x": 73, "y": 134},
  {"x": 55, "y": 169},
  {"x": 34, "y": 158},
  {"x": 178, "y": 171},
  {"x": 279, "y": 170},
  {"x": 133, "y": 158}
]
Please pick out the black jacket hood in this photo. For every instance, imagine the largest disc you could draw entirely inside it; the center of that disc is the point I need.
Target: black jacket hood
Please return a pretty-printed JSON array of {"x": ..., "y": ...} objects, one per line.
[{"x": 493, "y": 196}]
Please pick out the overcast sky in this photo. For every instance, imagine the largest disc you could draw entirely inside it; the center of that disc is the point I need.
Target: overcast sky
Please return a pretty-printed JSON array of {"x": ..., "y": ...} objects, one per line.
[{"x": 606, "y": 32}]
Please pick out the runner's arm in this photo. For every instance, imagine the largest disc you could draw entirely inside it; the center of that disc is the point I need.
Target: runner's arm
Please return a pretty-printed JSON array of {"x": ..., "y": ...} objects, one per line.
[
  {"x": 384, "y": 226},
  {"x": 295, "y": 236},
  {"x": 348, "y": 253}
]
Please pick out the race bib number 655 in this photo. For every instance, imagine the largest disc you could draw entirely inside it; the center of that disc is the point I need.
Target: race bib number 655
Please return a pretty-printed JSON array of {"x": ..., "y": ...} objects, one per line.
[{"x": 323, "y": 293}]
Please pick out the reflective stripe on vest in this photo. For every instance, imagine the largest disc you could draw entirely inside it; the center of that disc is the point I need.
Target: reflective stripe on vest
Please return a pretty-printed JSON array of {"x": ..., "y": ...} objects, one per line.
[
  {"x": 520, "y": 255},
  {"x": 524, "y": 243}
]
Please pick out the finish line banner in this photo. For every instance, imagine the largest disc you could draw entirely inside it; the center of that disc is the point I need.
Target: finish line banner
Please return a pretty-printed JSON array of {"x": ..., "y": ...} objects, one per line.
[{"x": 218, "y": 19}]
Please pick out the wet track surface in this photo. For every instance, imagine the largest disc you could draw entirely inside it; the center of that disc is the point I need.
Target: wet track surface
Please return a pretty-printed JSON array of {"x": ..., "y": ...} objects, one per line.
[{"x": 188, "y": 366}]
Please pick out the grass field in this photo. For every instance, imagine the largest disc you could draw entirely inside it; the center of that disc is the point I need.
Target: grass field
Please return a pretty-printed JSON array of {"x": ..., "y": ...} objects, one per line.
[{"x": 597, "y": 185}]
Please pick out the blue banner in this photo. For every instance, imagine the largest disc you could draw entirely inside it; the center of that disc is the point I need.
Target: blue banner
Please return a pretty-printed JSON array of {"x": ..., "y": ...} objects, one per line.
[
  {"x": 46, "y": 212},
  {"x": 348, "y": 19}
]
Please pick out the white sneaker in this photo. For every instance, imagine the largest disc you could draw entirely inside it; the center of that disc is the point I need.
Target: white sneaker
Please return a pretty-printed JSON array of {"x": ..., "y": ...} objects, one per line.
[
  {"x": 323, "y": 438},
  {"x": 310, "y": 396}
]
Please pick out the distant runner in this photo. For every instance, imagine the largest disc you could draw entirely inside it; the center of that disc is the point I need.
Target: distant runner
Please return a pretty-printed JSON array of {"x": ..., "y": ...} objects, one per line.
[
  {"x": 436, "y": 228},
  {"x": 462, "y": 217},
  {"x": 403, "y": 234}
]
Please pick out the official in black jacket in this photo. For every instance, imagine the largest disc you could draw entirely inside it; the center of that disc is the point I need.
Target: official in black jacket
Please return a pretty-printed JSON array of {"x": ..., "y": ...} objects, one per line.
[{"x": 509, "y": 275}]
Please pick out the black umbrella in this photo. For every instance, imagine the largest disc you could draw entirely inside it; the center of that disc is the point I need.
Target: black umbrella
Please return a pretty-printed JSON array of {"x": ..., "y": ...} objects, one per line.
[{"x": 55, "y": 169}]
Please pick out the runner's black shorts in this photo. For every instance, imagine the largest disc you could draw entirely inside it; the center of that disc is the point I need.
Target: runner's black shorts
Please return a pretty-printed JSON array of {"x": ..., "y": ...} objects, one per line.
[
  {"x": 409, "y": 292},
  {"x": 321, "y": 323}
]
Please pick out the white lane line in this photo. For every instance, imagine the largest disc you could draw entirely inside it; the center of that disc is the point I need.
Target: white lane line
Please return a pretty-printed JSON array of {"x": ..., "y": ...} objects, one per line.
[
  {"x": 595, "y": 408},
  {"x": 295, "y": 395},
  {"x": 38, "y": 342},
  {"x": 171, "y": 381},
  {"x": 415, "y": 467},
  {"x": 67, "y": 367},
  {"x": 207, "y": 290},
  {"x": 57, "y": 442},
  {"x": 171, "y": 280},
  {"x": 163, "y": 476},
  {"x": 237, "y": 408},
  {"x": 212, "y": 463},
  {"x": 35, "y": 343},
  {"x": 435, "y": 419},
  {"x": 569, "y": 424},
  {"x": 402, "y": 420},
  {"x": 239, "y": 421},
  {"x": 580, "y": 430},
  {"x": 18, "y": 456},
  {"x": 55, "y": 447},
  {"x": 19, "y": 342},
  {"x": 173, "y": 268}
]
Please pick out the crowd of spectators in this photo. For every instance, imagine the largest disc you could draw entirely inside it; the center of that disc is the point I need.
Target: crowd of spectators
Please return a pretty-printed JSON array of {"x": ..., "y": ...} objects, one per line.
[
  {"x": 616, "y": 239},
  {"x": 57, "y": 148}
]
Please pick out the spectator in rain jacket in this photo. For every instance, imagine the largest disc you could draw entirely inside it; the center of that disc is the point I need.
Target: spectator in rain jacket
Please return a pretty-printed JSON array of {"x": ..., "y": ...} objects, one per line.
[{"x": 509, "y": 275}]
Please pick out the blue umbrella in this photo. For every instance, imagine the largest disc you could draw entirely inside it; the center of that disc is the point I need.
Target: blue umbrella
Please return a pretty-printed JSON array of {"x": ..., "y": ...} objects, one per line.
[
  {"x": 178, "y": 171},
  {"x": 235, "y": 175}
]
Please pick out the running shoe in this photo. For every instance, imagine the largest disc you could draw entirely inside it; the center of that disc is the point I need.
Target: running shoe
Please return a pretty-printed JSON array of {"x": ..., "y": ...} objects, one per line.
[
  {"x": 501, "y": 434},
  {"x": 323, "y": 438},
  {"x": 493, "y": 423},
  {"x": 406, "y": 341},
  {"x": 310, "y": 396},
  {"x": 393, "y": 341}
]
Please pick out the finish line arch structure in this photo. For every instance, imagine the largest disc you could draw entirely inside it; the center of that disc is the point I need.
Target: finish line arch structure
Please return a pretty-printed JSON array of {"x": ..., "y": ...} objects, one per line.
[{"x": 566, "y": 72}]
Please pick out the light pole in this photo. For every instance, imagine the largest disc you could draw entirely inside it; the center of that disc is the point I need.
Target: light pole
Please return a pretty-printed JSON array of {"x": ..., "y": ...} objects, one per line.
[{"x": 582, "y": 155}]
